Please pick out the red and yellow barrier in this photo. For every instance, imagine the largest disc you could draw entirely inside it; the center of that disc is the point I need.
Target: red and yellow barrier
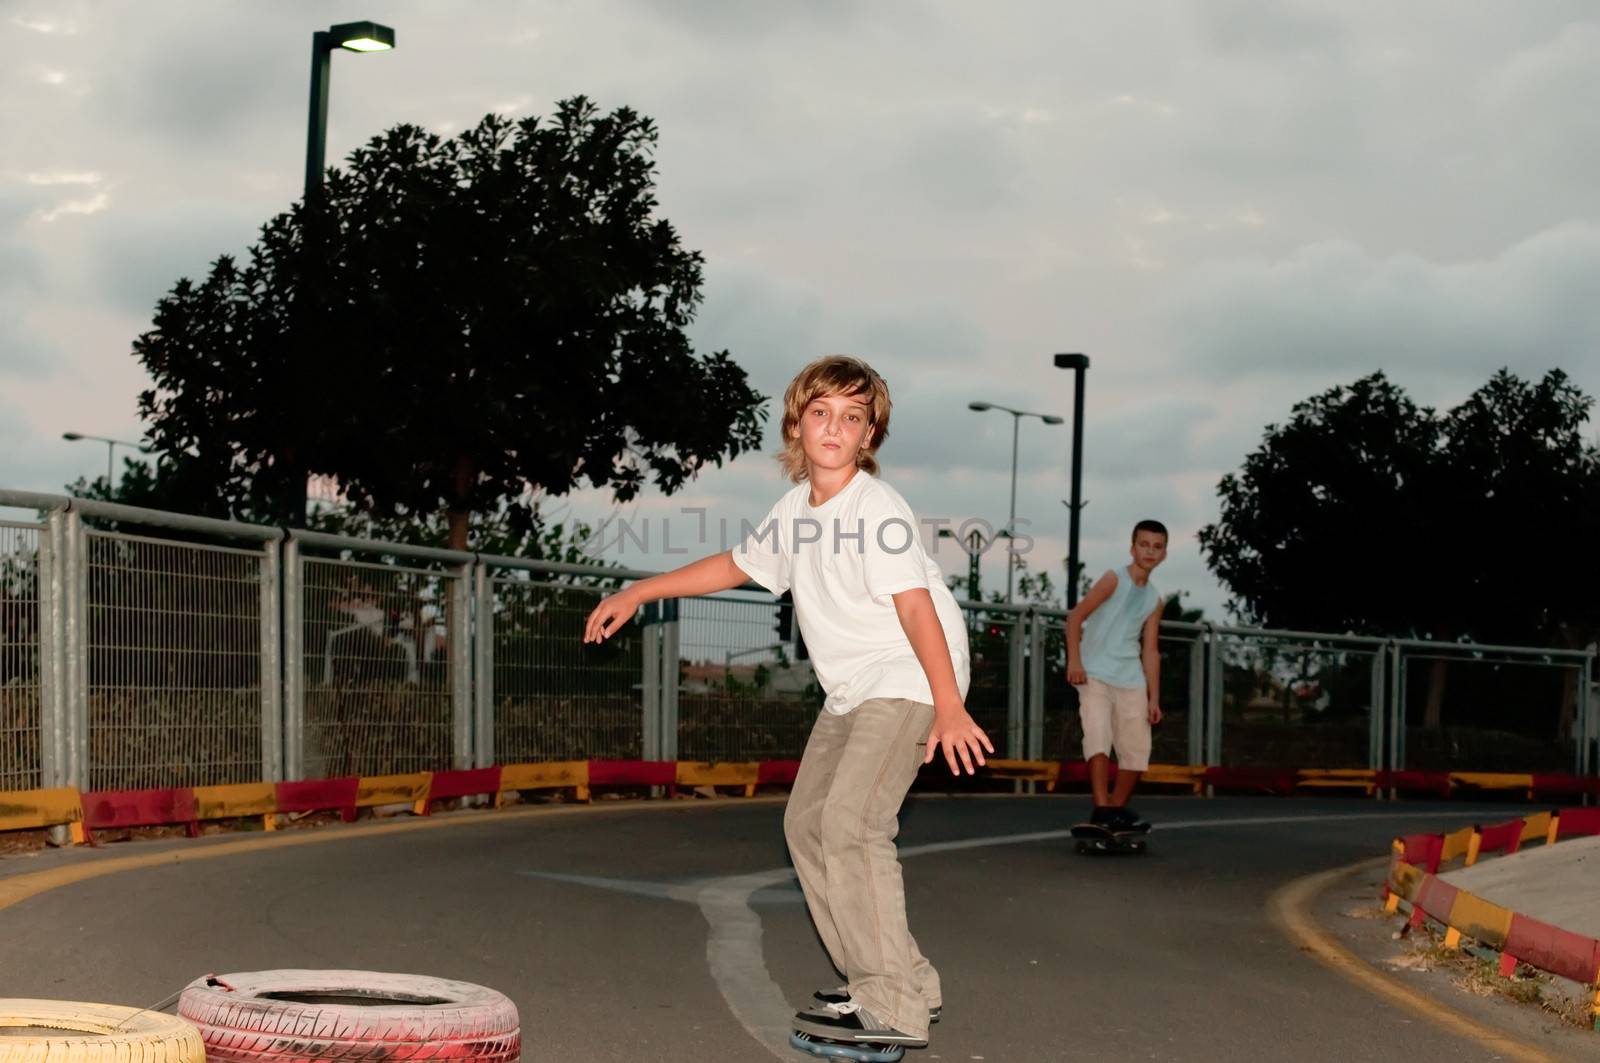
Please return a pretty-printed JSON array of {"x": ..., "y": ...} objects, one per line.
[
  {"x": 33, "y": 809},
  {"x": 1518, "y": 938}
]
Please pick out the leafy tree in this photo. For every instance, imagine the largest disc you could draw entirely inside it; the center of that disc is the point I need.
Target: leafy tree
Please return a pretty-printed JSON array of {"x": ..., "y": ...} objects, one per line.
[
  {"x": 1365, "y": 512},
  {"x": 451, "y": 322},
  {"x": 1315, "y": 526}
]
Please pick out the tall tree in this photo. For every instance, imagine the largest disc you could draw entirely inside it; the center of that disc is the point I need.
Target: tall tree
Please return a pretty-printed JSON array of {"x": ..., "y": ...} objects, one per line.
[
  {"x": 1367, "y": 513},
  {"x": 451, "y": 323},
  {"x": 1314, "y": 529}
]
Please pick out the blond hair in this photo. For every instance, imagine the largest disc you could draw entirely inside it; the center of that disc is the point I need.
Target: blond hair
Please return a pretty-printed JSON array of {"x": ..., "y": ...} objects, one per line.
[{"x": 836, "y": 374}]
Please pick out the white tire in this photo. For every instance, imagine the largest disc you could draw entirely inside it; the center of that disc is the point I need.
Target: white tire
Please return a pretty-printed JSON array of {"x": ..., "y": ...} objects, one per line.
[{"x": 62, "y": 1031}]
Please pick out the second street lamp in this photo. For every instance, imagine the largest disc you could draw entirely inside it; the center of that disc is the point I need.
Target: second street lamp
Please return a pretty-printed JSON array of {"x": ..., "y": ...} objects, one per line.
[
  {"x": 111, "y": 451},
  {"x": 1078, "y": 363},
  {"x": 1011, "y": 522},
  {"x": 354, "y": 37}
]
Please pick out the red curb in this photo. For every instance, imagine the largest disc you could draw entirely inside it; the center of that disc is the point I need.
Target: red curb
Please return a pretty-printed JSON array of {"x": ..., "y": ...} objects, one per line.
[
  {"x": 107, "y": 809},
  {"x": 633, "y": 772},
  {"x": 1553, "y": 949},
  {"x": 318, "y": 795}
]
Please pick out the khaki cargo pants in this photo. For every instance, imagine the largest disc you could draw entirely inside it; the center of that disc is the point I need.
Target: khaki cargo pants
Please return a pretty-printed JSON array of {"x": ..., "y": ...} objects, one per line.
[{"x": 841, "y": 821}]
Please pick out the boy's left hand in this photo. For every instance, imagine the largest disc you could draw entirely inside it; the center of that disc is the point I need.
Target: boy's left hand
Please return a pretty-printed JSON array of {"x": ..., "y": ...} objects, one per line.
[
  {"x": 1155, "y": 714},
  {"x": 959, "y": 734}
]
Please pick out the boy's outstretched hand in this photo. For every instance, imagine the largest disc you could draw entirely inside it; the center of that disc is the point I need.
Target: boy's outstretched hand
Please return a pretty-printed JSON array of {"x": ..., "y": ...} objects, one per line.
[
  {"x": 960, "y": 735},
  {"x": 609, "y": 615}
]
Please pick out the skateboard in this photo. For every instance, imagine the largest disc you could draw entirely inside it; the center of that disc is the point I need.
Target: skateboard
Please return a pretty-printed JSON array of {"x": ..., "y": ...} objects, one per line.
[
  {"x": 852, "y": 1050},
  {"x": 1095, "y": 838}
]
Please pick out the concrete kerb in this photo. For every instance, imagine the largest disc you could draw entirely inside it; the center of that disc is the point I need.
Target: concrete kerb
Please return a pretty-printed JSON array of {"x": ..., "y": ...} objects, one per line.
[
  {"x": 1417, "y": 891},
  {"x": 1289, "y": 910}
]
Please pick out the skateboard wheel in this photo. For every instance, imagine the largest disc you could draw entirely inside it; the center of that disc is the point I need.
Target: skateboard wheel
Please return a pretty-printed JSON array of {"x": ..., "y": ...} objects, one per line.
[{"x": 817, "y": 1046}]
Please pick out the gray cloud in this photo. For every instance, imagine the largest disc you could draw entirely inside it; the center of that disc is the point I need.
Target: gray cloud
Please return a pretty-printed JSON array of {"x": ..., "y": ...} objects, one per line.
[
  {"x": 1334, "y": 309},
  {"x": 1229, "y": 205},
  {"x": 140, "y": 255}
]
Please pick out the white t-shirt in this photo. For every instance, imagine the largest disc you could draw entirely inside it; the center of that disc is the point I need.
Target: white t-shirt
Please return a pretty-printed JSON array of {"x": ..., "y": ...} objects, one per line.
[{"x": 844, "y": 560}]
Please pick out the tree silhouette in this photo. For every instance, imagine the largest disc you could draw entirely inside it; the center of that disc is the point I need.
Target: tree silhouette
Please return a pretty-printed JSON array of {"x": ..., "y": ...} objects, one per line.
[{"x": 451, "y": 323}]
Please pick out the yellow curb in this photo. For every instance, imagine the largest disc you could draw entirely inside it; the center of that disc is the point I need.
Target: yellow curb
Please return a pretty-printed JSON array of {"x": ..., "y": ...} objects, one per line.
[
  {"x": 18, "y": 888},
  {"x": 1288, "y": 908}
]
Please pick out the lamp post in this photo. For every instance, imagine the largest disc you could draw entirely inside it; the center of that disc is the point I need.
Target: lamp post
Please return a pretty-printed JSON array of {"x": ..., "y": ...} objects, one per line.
[
  {"x": 1078, "y": 363},
  {"x": 1011, "y": 522},
  {"x": 973, "y": 545},
  {"x": 351, "y": 36},
  {"x": 111, "y": 450}
]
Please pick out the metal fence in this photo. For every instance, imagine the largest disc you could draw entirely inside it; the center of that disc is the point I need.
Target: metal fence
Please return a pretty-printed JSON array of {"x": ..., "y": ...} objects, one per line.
[
  {"x": 144, "y": 649},
  {"x": 1294, "y": 698},
  {"x": 173, "y": 639},
  {"x": 1490, "y": 708},
  {"x": 378, "y": 663},
  {"x": 21, "y": 682},
  {"x": 539, "y": 697}
]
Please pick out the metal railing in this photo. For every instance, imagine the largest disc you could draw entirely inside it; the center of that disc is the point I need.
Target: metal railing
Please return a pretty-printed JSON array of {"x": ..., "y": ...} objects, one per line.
[{"x": 140, "y": 649}]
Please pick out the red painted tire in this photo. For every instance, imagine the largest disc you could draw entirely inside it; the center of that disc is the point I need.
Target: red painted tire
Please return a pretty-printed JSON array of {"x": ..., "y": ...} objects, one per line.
[{"x": 350, "y": 1016}]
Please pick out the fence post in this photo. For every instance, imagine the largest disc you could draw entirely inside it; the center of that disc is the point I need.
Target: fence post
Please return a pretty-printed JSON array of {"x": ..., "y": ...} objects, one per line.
[
  {"x": 1197, "y": 695},
  {"x": 1397, "y": 711},
  {"x": 1034, "y": 747},
  {"x": 1017, "y": 682},
  {"x": 271, "y": 664},
  {"x": 52, "y": 701},
  {"x": 75, "y": 704},
  {"x": 650, "y": 699},
  {"x": 1214, "y": 691},
  {"x": 1375, "y": 711},
  {"x": 460, "y": 649},
  {"x": 483, "y": 667},
  {"x": 668, "y": 725},
  {"x": 294, "y": 660},
  {"x": 1585, "y": 711}
]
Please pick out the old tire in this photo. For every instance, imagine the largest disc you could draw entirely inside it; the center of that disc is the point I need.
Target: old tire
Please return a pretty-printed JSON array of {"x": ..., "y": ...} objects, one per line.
[
  {"x": 349, "y": 1016},
  {"x": 70, "y": 1032}
]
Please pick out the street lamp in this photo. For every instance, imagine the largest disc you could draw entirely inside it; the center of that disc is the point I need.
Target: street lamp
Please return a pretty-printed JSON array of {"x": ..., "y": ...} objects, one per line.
[
  {"x": 973, "y": 545},
  {"x": 111, "y": 450},
  {"x": 1011, "y": 524},
  {"x": 354, "y": 37},
  {"x": 1078, "y": 363}
]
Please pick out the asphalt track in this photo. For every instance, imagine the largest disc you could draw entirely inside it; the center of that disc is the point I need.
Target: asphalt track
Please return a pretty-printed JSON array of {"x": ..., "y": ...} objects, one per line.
[{"x": 673, "y": 932}]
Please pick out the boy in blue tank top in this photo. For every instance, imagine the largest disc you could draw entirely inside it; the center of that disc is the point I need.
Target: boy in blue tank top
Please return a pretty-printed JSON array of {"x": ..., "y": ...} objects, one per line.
[{"x": 1114, "y": 661}]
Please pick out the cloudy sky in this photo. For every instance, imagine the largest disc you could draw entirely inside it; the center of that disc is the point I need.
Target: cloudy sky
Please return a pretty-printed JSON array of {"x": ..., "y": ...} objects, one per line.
[{"x": 1228, "y": 204}]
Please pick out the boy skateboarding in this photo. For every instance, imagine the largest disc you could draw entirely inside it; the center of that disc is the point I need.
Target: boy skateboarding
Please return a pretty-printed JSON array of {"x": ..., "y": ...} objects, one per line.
[
  {"x": 1114, "y": 662},
  {"x": 889, "y": 648}
]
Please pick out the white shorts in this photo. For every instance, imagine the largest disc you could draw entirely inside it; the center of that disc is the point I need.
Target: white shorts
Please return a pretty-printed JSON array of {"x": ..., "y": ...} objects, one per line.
[{"x": 1116, "y": 717}]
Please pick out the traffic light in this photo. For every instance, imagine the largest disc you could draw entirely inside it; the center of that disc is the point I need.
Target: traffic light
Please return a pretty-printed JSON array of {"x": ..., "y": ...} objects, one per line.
[{"x": 785, "y": 627}]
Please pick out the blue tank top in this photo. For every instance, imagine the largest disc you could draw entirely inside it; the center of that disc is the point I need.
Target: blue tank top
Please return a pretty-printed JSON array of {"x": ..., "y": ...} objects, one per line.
[{"x": 1112, "y": 635}]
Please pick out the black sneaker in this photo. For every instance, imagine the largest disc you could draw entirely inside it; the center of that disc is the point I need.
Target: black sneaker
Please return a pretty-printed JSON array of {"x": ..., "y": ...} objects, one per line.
[
  {"x": 823, "y": 998},
  {"x": 850, "y": 1023},
  {"x": 1123, "y": 818},
  {"x": 1104, "y": 815}
]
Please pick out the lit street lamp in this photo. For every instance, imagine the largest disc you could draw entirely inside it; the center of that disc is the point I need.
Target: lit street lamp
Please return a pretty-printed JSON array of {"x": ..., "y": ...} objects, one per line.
[
  {"x": 111, "y": 450},
  {"x": 351, "y": 36},
  {"x": 1011, "y": 523},
  {"x": 1078, "y": 363}
]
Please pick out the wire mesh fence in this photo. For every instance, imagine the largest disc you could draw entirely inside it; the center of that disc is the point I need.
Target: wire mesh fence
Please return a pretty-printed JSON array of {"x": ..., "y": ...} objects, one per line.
[
  {"x": 21, "y": 684},
  {"x": 743, "y": 694},
  {"x": 554, "y": 697},
  {"x": 992, "y": 636},
  {"x": 174, "y": 662},
  {"x": 169, "y": 670},
  {"x": 376, "y": 667},
  {"x": 1467, "y": 710}
]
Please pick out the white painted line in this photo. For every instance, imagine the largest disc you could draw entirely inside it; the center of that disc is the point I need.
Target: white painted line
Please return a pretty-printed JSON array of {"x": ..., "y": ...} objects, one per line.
[{"x": 733, "y": 945}]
